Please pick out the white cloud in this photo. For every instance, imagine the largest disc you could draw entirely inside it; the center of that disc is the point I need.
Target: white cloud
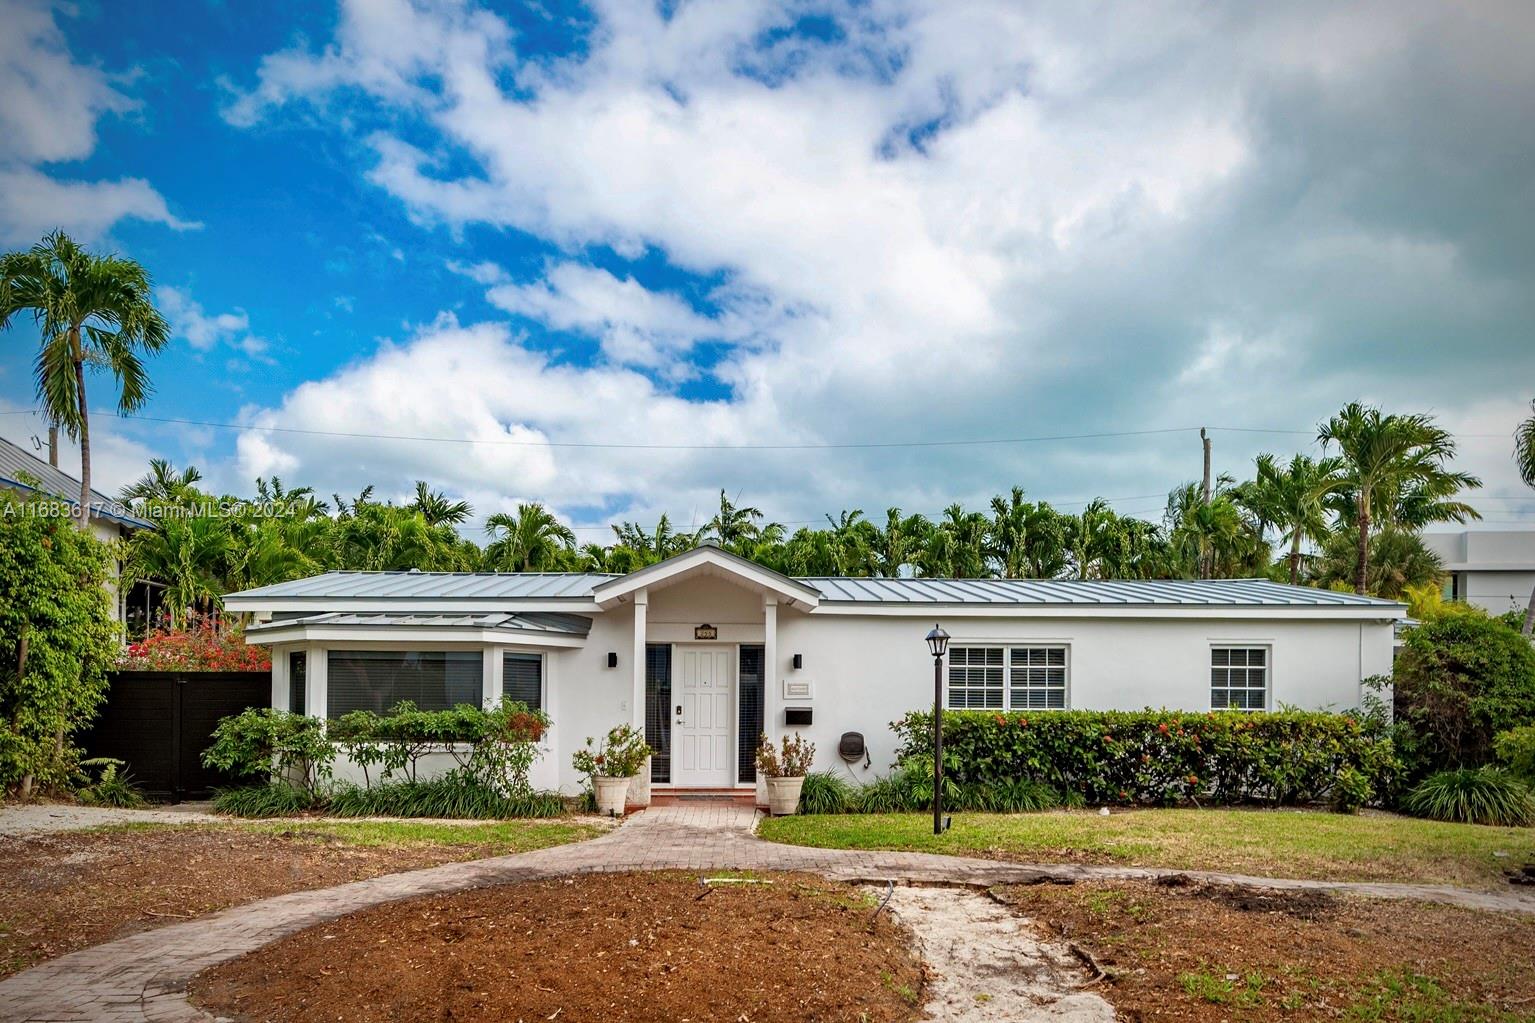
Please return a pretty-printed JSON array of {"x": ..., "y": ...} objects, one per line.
[
  {"x": 955, "y": 220},
  {"x": 51, "y": 107},
  {"x": 204, "y": 331}
]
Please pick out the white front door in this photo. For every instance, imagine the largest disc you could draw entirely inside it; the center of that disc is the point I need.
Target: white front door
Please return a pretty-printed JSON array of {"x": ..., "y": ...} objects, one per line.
[{"x": 703, "y": 692}]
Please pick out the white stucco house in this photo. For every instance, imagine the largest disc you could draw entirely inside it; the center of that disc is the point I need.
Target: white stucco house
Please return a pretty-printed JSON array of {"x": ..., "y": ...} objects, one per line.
[
  {"x": 706, "y": 651},
  {"x": 1491, "y": 568},
  {"x": 24, "y": 473}
]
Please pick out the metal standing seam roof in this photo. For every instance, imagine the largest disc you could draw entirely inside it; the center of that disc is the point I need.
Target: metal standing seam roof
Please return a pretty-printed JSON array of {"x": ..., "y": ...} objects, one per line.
[
  {"x": 523, "y": 621},
  {"x": 1108, "y": 592},
  {"x": 833, "y": 590},
  {"x": 16, "y": 462}
]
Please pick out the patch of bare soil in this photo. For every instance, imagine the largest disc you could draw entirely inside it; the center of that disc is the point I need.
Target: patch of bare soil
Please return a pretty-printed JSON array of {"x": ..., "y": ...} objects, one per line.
[
  {"x": 1185, "y": 950},
  {"x": 632, "y": 947},
  {"x": 66, "y": 891}
]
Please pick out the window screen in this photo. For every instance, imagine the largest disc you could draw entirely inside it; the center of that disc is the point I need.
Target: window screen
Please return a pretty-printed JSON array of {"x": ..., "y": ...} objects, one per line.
[
  {"x": 1037, "y": 678},
  {"x": 1239, "y": 678},
  {"x": 751, "y": 700},
  {"x": 376, "y": 680},
  {"x": 975, "y": 677},
  {"x": 298, "y": 670},
  {"x": 658, "y": 709},
  {"x": 522, "y": 679}
]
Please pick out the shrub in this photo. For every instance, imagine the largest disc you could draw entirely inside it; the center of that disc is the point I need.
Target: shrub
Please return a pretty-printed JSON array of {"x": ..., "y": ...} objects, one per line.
[
  {"x": 58, "y": 638},
  {"x": 272, "y": 745},
  {"x": 1460, "y": 679},
  {"x": 1484, "y": 795},
  {"x": 454, "y": 795},
  {"x": 110, "y": 788},
  {"x": 792, "y": 760},
  {"x": 890, "y": 794},
  {"x": 825, "y": 792},
  {"x": 1516, "y": 749},
  {"x": 621, "y": 755},
  {"x": 1156, "y": 757},
  {"x": 277, "y": 799}
]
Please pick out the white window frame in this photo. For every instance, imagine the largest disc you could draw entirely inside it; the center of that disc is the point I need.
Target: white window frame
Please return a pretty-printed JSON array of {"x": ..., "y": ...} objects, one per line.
[
  {"x": 543, "y": 674},
  {"x": 1065, "y": 667},
  {"x": 1007, "y": 683},
  {"x": 1268, "y": 674}
]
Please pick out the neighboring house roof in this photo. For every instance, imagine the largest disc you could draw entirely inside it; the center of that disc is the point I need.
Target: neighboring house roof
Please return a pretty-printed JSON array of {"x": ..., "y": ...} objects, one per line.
[
  {"x": 17, "y": 465},
  {"x": 485, "y": 591}
]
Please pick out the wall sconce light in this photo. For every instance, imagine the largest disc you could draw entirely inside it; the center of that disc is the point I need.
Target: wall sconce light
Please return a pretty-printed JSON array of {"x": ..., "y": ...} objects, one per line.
[
  {"x": 799, "y": 661},
  {"x": 612, "y": 659}
]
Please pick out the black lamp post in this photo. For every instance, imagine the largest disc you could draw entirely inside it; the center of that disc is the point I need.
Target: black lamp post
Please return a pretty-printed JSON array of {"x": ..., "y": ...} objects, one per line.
[{"x": 938, "y": 642}]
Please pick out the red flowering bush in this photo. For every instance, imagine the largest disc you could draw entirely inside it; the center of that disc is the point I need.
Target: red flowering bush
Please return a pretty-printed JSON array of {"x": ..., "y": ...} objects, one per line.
[{"x": 205, "y": 643}]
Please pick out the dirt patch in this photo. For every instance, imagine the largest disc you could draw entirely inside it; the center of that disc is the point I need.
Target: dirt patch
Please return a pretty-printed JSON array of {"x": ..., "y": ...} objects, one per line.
[
  {"x": 1211, "y": 953},
  {"x": 66, "y": 891},
  {"x": 637, "y": 947}
]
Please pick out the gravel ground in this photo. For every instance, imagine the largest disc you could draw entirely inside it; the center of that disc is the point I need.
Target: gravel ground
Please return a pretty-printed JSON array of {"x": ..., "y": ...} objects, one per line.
[{"x": 40, "y": 818}]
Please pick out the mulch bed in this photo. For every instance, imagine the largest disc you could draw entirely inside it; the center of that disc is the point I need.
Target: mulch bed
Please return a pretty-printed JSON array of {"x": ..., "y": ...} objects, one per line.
[
  {"x": 633, "y": 947},
  {"x": 1184, "y": 950},
  {"x": 62, "y": 892}
]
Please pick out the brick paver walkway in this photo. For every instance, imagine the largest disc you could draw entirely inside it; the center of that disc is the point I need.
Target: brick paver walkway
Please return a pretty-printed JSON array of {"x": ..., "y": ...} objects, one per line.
[{"x": 144, "y": 976}]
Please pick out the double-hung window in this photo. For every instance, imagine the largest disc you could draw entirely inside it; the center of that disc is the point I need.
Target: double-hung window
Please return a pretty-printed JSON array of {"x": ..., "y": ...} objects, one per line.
[
  {"x": 1024, "y": 677},
  {"x": 1239, "y": 677}
]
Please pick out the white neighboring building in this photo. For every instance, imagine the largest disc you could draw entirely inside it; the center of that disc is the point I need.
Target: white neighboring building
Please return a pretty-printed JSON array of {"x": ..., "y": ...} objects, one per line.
[
  {"x": 706, "y": 651},
  {"x": 1493, "y": 569},
  {"x": 111, "y": 521}
]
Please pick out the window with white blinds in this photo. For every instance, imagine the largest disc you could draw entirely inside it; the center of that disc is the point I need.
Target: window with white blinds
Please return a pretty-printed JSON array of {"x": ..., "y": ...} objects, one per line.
[
  {"x": 1239, "y": 677},
  {"x": 976, "y": 677},
  {"x": 376, "y": 680},
  {"x": 522, "y": 679},
  {"x": 1037, "y": 678},
  {"x": 1030, "y": 677}
]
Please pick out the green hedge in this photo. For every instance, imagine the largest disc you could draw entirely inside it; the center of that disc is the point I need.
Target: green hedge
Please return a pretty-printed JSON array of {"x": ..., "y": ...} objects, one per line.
[{"x": 1164, "y": 757}]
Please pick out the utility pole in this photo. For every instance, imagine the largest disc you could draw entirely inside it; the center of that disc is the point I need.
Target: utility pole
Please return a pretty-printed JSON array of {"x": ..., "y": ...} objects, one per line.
[
  {"x": 1204, "y": 437},
  {"x": 53, "y": 444}
]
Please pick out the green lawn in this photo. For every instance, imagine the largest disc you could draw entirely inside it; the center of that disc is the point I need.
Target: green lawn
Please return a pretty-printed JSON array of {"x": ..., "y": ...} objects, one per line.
[
  {"x": 1274, "y": 843},
  {"x": 498, "y": 837}
]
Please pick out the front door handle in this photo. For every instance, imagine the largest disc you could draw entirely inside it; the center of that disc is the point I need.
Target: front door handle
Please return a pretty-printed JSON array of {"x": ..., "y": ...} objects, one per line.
[{"x": 679, "y": 713}]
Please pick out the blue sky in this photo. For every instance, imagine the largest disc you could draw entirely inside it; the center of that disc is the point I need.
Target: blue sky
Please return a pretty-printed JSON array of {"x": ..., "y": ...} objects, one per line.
[{"x": 543, "y": 233}]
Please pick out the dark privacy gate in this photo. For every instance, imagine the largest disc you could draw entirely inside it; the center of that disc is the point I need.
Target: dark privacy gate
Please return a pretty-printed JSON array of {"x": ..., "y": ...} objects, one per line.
[{"x": 159, "y": 723}]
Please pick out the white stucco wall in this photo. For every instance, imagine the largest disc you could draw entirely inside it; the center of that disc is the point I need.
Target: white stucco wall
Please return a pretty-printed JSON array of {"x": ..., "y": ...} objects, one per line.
[{"x": 869, "y": 669}]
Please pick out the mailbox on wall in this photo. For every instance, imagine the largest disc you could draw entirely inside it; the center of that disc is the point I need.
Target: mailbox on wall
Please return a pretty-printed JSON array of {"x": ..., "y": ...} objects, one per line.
[{"x": 796, "y": 715}]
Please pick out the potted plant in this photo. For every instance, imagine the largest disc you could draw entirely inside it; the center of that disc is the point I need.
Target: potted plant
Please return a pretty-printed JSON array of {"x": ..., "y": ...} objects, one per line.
[
  {"x": 784, "y": 770},
  {"x": 611, "y": 765}
]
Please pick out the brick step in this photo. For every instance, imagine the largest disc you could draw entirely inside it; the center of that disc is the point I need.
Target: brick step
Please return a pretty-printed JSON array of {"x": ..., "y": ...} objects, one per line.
[{"x": 684, "y": 797}]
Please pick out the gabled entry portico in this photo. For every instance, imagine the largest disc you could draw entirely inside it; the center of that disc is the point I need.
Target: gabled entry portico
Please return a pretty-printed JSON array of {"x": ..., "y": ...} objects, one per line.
[{"x": 705, "y": 662}]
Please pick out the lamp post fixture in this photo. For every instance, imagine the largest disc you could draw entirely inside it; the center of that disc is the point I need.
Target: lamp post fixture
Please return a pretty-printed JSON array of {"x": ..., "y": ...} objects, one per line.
[{"x": 937, "y": 643}]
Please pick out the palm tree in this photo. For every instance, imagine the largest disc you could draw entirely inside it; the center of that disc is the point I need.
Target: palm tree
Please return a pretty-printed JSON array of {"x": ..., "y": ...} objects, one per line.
[
  {"x": 898, "y": 542},
  {"x": 1010, "y": 532},
  {"x": 648, "y": 548},
  {"x": 88, "y": 309},
  {"x": 733, "y": 526},
  {"x": 1524, "y": 458},
  {"x": 1398, "y": 559},
  {"x": 1387, "y": 458},
  {"x": 956, "y": 546},
  {"x": 190, "y": 555},
  {"x": 163, "y": 483},
  {"x": 1293, "y": 500},
  {"x": 532, "y": 540},
  {"x": 435, "y": 507}
]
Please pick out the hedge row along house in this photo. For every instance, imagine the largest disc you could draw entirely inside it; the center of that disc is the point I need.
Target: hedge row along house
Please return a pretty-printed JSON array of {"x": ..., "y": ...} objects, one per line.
[{"x": 707, "y": 651}]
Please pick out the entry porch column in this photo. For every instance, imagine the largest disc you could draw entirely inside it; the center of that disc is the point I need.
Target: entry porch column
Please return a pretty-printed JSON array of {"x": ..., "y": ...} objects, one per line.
[
  {"x": 772, "y": 689},
  {"x": 637, "y": 696}
]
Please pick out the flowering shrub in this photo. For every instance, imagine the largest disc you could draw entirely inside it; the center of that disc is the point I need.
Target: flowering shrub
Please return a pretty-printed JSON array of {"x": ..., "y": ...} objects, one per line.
[
  {"x": 1163, "y": 757},
  {"x": 621, "y": 755},
  {"x": 205, "y": 643}
]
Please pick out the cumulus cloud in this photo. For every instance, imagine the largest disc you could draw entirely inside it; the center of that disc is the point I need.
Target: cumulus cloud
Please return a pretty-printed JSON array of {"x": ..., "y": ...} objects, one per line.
[
  {"x": 203, "y": 331},
  {"x": 958, "y": 220},
  {"x": 51, "y": 108}
]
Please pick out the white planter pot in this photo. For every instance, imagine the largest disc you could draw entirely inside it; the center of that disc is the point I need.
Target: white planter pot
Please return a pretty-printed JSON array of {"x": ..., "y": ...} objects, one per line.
[
  {"x": 611, "y": 793},
  {"x": 783, "y": 795},
  {"x": 639, "y": 786}
]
